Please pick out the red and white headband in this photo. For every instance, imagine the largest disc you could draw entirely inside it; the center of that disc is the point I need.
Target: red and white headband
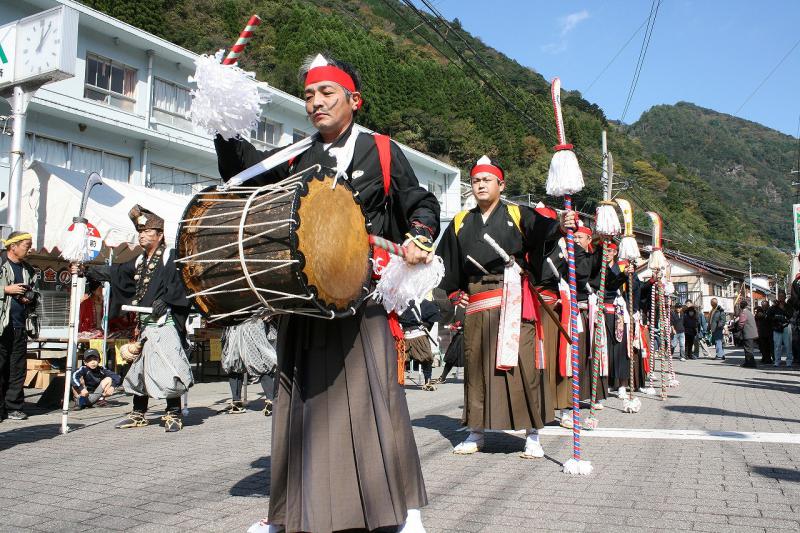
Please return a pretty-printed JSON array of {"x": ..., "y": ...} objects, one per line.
[
  {"x": 484, "y": 165},
  {"x": 320, "y": 70}
]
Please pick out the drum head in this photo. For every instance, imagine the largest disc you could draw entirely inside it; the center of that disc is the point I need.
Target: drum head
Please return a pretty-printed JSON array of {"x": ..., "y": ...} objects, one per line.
[{"x": 332, "y": 238}]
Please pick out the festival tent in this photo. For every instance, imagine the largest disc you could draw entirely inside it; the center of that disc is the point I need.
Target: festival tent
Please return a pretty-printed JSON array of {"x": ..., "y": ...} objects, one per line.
[{"x": 51, "y": 196}]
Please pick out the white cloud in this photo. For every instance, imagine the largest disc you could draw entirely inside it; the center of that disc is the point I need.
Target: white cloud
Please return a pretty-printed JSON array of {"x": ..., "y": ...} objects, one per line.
[
  {"x": 565, "y": 24},
  {"x": 569, "y": 22}
]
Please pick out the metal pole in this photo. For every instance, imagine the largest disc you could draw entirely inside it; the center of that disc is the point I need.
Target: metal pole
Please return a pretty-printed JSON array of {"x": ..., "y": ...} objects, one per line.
[
  {"x": 19, "y": 105},
  {"x": 750, "y": 268},
  {"x": 606, "y": 177},
  {"x": 106, "y": 301}
]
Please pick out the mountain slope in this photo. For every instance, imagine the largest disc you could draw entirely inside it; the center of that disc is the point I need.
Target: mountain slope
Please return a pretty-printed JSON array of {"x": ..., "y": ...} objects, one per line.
[
  {"x": 745, "y": 163},
  {"x": 460, "y": 104}
]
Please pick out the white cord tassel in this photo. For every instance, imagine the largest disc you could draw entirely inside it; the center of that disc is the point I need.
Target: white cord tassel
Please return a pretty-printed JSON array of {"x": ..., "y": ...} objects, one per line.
[
  {"x": 628, "y": 249},
  {"x": 565, "y": 176},
  {"x": 75, "y": 244},
  {"x": 402, "y": 283},
  {"x": 607, "y": 221},
  {"x": 227, "y": 100},
  {"x": 657, "y": 259},
  {"x": 577, "y": 468}
]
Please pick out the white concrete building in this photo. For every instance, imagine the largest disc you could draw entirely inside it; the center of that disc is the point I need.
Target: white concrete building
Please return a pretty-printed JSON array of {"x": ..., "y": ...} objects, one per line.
[{"x": 125, "y": 114}]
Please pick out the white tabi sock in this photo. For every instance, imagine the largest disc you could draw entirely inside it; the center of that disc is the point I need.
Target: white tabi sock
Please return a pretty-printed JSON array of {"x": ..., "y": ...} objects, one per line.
[
  {"x": 413, "y": 523},
  {"x": 533, "y": 435}
]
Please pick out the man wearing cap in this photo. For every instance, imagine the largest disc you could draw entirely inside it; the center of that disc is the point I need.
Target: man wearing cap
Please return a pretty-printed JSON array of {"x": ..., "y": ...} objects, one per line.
[
  {"x": 343, "y": 452},
  {"x": 17, "y": 298},
  {"x": 152, "y": 281},
  {"x": 503, "y": 372}
]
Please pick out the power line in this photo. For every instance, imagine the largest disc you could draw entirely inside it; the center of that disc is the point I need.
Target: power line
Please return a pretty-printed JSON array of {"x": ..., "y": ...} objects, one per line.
[
  {"x": 767, "y": 77},
  {"x": 642, "y": 53},
  {"x": 624, "y": 46}
]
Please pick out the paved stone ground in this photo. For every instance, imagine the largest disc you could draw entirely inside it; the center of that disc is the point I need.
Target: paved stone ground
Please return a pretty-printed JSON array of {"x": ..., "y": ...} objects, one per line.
[{"x": 213, "y": 475}]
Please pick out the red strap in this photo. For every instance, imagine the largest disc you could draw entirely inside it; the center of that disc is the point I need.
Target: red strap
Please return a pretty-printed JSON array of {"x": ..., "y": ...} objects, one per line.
[{"x": 383, "y": 144}]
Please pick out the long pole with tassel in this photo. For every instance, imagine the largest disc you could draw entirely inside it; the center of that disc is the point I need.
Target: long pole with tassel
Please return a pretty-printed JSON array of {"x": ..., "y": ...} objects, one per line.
[
  {"x": 75, "y": 249},
  {"x": 565, "y": 179},
  {"x": 242, "y": 42},
  {"x": 629, "y": 251}
]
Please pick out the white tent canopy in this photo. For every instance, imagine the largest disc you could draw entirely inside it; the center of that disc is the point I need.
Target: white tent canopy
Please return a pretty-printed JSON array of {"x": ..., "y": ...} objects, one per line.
[{"x": 51, "y": 197}]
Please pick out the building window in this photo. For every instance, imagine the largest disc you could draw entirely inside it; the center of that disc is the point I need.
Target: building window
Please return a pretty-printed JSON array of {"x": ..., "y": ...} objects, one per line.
[
  {"x": 110, "y": 166},
  {"x": 437, "y": 190},
  {"x": 171, "y": 103},
  {"x": 49, "y": 151},
  {"x": 178, "y": 181},
  {"x": 110, "y": 82},
  {"x": 298, "y": 135},
  {"x": 267, "y": 132},
  {"x": 681, "y": 291}
]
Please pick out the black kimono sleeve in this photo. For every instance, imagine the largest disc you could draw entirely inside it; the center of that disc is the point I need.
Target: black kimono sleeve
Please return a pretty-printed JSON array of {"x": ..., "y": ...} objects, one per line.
[
  {"x": 449, "y": 250},
  {"x": 414, "y": 209},
  {"x": 237, "y": 154},
  {"x": 539, "y": 233},
  {"x": 120, "y": 276}
]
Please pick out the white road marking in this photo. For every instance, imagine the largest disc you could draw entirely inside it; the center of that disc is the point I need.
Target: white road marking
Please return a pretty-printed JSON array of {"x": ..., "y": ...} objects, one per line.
[{"x": 668, "y": 434}]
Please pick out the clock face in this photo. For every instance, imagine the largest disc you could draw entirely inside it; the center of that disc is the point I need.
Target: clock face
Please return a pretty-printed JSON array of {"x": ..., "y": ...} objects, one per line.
[{"x": 38, "y": 46}]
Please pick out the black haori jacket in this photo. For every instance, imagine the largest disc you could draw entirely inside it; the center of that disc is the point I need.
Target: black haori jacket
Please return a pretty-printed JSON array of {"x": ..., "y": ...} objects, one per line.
[
  {"x": 408, "y": 208},
  {"x": 165, "y": 285}
]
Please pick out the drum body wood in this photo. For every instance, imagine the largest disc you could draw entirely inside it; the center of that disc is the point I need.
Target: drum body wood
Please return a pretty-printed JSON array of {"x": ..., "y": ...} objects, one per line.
[{"x": 298, "y": 246}]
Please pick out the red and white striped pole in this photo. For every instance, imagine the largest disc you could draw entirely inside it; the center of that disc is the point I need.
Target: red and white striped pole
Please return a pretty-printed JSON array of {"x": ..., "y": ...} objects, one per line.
[{"x": 241, "y": 42}]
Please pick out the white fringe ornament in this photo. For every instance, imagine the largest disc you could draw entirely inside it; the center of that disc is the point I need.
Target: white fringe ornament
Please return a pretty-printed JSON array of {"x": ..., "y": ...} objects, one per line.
[
  {"x": 402, "y": 283},
  {"x": 227, "y": 100},
  {"x": 607, "y": 223},
  {"x": 633, "y": 405},
  {"x": 75, "y": 244},
  {"x": 657, "y": 260},
  {"x": 564, "y": 176},
  {"x": 577, "y": 468},
  {"x": 628, "y": 249}
]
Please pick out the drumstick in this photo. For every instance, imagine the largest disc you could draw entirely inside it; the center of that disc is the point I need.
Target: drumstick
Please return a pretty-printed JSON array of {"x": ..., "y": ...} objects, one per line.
[
  {"x": 244, "y": 38},
  {"x": 389, "y": 246}
]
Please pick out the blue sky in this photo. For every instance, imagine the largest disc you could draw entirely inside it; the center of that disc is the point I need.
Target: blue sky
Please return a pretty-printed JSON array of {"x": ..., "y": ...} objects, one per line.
[{"x": 713, "y": 53}]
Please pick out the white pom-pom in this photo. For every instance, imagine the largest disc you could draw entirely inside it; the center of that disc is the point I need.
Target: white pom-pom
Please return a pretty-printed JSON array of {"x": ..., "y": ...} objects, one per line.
[
  {"x": 669, "y": 288},
  {"x": 574, "y": 467},
  {"x": 632, "y": 406},
  {"x": 674, "y": 383},
  {"x": 628, "y": 249},
  {"x": 657, "y": 259},
  {"x": 402, "y": 283},
  {"x": 607, "y": 221},
  {"x": 75, "y": 244},
  {"x": 590, "y": 423},
  {"x": 565, "y": 176},
  {"x": 227, "y": 100}
]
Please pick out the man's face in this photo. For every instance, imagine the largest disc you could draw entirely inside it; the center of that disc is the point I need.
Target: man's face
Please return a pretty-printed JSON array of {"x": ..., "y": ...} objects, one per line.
[
  {"x": 21, "y": 248},
  {"x": 150, "y": 238},
  {"x": 329, "y": 108},
  {"x": 486, "y": 187},
  {"x": 583, "y": 240},
  {"x": 713, "y": 302},
  {"x": 781, "y": 297}
]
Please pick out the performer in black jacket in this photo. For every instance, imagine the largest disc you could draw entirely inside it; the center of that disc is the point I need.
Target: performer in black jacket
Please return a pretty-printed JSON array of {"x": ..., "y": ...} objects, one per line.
[
  {"x": 343, "y": 453},
  {"x": 152, "y": 280}
]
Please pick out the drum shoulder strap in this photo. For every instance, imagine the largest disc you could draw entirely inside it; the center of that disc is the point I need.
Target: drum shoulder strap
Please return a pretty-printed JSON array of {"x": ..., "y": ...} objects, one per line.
[{"x": 383, "y": 144}]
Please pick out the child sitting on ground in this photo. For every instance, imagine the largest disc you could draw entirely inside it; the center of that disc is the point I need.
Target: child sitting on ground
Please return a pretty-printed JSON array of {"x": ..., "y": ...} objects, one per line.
[{"x": 93, "y": 383}]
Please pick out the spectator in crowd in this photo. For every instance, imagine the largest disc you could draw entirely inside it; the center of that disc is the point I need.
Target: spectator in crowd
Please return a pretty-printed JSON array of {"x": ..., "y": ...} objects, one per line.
[
  {"x": 92, "y": 382},
  {"x": 702, "y": 334},
  {"x": 678, "y": 334},
  {"x": 764, "y": 332},
  {"x": 779, "y": 316},
  {"x": 690, "y": 329},
  {"x": 17, "y": 298},
  {"x": 747, "y": 325},
  {"x": 716, "y": 324}
]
